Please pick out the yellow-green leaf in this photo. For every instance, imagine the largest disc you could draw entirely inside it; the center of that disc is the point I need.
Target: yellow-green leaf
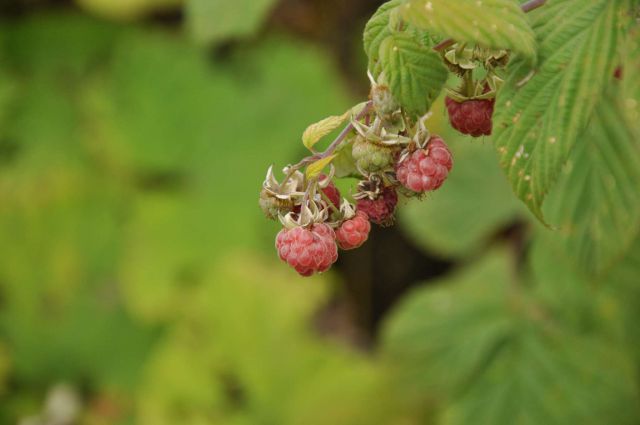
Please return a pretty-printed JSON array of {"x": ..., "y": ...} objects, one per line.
[
  {"x": 314, "y": 169},
  {"x": 315, "y": 132}
]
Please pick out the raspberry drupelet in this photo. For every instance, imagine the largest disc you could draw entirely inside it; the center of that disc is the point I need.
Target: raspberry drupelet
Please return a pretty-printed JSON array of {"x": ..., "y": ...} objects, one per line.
[
  {"x": 308, "y": 250},
  {"x": 472, "y": 117},
  {"x": 381, "y": 209},
  {"x": 425, "y": 169},
  {"x": 353, "y": 232}
]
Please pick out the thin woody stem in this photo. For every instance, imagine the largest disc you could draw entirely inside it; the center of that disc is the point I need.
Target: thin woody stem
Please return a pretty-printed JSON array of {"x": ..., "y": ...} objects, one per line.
[
  {"x": 527, "y": 7},
  {"x": 331, "y": 148},
  {"x": 339, "y": 139}
]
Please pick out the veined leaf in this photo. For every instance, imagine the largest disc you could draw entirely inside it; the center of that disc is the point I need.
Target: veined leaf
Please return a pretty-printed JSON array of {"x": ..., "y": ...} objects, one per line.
[
  {"x": 630, "y": 82},
  {"x": 491, "y": 23},
  {"x": 377, "y": 29},
  {"x": 497, "y": 358},
  {"x": 597, "y": 199},
  {"x": 541, "y": 112},
  {"x": 314, "y": 169},
  {"x": 414, "y": 72},
  {"x": 317, "y": 131}
]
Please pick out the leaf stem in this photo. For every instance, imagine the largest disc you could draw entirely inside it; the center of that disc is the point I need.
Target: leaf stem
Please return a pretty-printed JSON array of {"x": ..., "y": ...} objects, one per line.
[
  {"x": 526, "y": 7},
  {"x": 334, "y": 145},
  {"x": 331, "y": 148}
]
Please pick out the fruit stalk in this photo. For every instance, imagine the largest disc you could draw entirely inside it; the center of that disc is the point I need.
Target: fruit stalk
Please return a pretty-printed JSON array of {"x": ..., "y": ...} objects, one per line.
[{"x": 331, "y": 148}]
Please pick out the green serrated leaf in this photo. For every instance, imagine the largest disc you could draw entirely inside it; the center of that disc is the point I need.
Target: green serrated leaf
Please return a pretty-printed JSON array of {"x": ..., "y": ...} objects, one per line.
[
  {"x": 314, "y": 169},
  {"x": 596, "y": 201},
  {"x": 498, "y": 24},
  {"x": 377, "y": 29},
  {"x": 496, "y": 358},
  {"x": 315, "y": 132},
  {"x": 414, "y": 72},
  {"x": 546, "y": 378},
  {"x": 442, "y": 334},
  {"x": 541, "y": 112}
]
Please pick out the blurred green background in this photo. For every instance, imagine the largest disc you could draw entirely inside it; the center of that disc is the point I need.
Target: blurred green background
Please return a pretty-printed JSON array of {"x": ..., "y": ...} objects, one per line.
[{"x": 138, "y": 279}]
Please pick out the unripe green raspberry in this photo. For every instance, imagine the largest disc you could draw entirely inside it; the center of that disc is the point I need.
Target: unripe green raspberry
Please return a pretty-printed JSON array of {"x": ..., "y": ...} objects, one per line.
[{"x": 372, "y": 157}]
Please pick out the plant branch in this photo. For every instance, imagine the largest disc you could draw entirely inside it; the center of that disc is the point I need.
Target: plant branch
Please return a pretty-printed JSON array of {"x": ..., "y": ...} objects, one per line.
[
  {"x": 331, "y": 148},
  {"x": 334, "y": 145},
  {"x": 526, "y": 7}
]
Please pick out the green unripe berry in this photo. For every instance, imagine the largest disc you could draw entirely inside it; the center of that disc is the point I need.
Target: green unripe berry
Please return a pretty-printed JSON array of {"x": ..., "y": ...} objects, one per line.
[{"x": 373, "y": 157}]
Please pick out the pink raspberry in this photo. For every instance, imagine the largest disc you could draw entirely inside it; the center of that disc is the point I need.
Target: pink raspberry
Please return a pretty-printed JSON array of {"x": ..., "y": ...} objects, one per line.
[
  {"x": 425, "y": 169},
  {"x": 381, "y": 209},
  {"x": 472, "y": 117},
  {"x": 308, "y": 250},
  {"x": 353, "y": 232},
  {"x": 331, "y": 192}
]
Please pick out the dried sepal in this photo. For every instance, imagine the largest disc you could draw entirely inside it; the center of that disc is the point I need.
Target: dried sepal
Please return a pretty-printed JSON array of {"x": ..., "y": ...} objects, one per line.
[{"x": 280, "y": 198}]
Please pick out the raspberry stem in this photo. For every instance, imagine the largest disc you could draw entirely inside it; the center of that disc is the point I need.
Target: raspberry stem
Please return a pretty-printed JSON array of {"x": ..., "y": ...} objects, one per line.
[
  {"x": 331, "y": 148},
  {"x": 328, "y": 201},
  {"x": 527, "y": 7}
]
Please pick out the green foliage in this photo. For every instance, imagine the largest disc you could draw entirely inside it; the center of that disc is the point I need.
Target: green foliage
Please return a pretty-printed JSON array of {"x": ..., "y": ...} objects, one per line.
[
  {"x": 494, "y": 354},
  {"x": 541, "y": 113},
  {"x": 596, "y": 201},
  {"x": 414, "y": 72},
  {"x": 472, "y": 206},
  {"x": 378, "y": 28},
  {"x": 253, "y": 361},
  {"x": 120, "y": 185},
  {"x": 128, "y": 262},
  {"x": 210, "y": 21},
  {"x": 496, "y": 24},
  {"x": 404, "y": 57}
]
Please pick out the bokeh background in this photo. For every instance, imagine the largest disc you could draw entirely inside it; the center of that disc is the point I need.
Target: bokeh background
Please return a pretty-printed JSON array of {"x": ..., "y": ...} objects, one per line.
[{"x": 138, "y": 279}]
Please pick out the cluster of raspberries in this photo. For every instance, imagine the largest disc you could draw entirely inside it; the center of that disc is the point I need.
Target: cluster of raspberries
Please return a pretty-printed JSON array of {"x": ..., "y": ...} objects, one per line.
[{"x": 313, "y": 248}]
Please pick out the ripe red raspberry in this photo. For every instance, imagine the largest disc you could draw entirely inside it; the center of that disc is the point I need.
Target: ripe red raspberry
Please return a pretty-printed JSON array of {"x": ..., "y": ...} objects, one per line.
[
  {"x": 425, "y": 169},
  {"x": 472, "y": 117},
  {"x": 353, "y": 232},
  {"x": 381, "y": 209},
  {"x": 308, "y": 250}
]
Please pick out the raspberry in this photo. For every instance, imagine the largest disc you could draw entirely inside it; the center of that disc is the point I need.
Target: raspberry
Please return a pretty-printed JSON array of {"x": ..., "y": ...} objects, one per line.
[
  {"x": 331, "y": 192},
  {"x": 472, "y": 117},
  {"x": 308, "y": 250},
  {"x": 380, "y": 210},
  {"x": 353, "y": 232},
  {"x": 425, "y": 169},
  {"x": 372, "y": 157}
]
